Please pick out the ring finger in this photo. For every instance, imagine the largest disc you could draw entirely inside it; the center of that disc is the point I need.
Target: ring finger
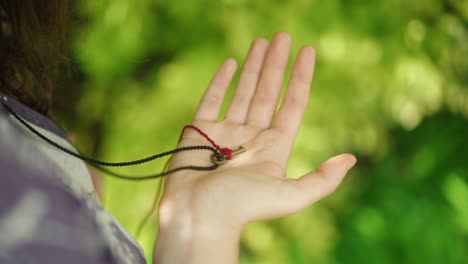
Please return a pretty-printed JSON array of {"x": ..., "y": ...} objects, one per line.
[{"x": 239, "y": 107}]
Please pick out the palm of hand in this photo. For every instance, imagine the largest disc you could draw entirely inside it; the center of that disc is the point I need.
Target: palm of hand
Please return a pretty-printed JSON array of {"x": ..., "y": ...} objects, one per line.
[{"x": 253, "y": 185}]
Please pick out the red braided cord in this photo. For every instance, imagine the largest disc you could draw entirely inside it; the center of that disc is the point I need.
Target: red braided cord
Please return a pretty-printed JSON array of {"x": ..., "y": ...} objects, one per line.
[{"x": 227, "y": 152}]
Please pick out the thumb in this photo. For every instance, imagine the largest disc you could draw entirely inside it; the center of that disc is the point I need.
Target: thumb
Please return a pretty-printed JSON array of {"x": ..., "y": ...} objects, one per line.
[{"x": 321, "y": 182}]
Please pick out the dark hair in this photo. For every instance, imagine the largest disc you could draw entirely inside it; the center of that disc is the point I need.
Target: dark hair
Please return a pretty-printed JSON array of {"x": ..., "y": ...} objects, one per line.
[{"x": 31, "y": 45}]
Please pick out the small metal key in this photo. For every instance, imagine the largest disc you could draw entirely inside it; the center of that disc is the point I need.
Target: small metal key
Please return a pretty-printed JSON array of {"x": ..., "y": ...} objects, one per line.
[{"x": 223, "y": 157}]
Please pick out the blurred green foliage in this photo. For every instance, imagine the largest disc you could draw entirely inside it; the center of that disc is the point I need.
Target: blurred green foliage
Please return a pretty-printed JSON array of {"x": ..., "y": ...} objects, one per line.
[{"x": 391, "y": 86}]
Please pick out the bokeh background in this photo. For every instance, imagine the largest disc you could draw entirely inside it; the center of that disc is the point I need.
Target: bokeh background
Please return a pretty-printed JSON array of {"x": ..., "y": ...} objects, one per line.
[{"x": 391, "y": 86}]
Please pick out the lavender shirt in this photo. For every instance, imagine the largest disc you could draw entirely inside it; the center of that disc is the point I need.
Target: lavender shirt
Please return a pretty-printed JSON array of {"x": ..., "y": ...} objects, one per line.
[{"x": 49, "y": 212}]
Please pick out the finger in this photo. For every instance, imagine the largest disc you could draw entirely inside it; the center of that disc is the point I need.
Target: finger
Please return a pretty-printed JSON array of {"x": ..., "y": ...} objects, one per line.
[
  {"x": 265, "y": 100},
  {"x": 212, "y": 100},
  {"x": 316, "y": 185},
  {"x": 289, "y": 116},
  {"x": 239, "y": 107}
]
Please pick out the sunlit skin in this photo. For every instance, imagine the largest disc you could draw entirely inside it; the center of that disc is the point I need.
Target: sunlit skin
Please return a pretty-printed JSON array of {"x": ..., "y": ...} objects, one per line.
[{"x": 203, "y": 213}]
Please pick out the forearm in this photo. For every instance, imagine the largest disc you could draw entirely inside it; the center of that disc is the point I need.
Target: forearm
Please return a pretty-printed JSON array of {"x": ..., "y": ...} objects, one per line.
[{"x": 182, "y": 239}]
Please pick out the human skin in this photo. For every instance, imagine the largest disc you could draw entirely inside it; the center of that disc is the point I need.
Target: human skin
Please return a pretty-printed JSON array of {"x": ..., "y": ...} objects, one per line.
[{"x": 202, "y": 213}]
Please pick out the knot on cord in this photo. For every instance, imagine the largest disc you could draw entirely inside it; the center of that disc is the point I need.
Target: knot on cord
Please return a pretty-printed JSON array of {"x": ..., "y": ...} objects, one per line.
[{"x": 227, "y": 152}]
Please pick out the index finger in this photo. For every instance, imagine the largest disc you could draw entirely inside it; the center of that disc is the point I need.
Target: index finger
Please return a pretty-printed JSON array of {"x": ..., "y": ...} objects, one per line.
[{"x": 289, "y": 116}]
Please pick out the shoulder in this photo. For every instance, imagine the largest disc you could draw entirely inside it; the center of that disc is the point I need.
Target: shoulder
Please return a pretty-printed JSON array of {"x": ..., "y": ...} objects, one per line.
[
  {"x": 41, "y": 221},
  {"x": 47, "y": 210}
]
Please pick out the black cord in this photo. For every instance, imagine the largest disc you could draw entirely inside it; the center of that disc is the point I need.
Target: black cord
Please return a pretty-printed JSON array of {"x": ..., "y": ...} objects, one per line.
[{"x": 98, "y": 164}]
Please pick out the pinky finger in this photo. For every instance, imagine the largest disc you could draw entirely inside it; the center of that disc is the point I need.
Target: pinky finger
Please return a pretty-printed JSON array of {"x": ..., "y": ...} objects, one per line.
[{"x": 212, "y": 100}]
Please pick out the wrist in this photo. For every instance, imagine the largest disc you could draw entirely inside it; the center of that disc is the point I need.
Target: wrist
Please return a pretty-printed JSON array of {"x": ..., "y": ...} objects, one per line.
[{"x": 185, "y": 236}]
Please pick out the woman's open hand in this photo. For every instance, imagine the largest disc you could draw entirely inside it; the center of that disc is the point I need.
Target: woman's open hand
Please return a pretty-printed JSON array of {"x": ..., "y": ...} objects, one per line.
[{"x": 252, "y": 186}]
